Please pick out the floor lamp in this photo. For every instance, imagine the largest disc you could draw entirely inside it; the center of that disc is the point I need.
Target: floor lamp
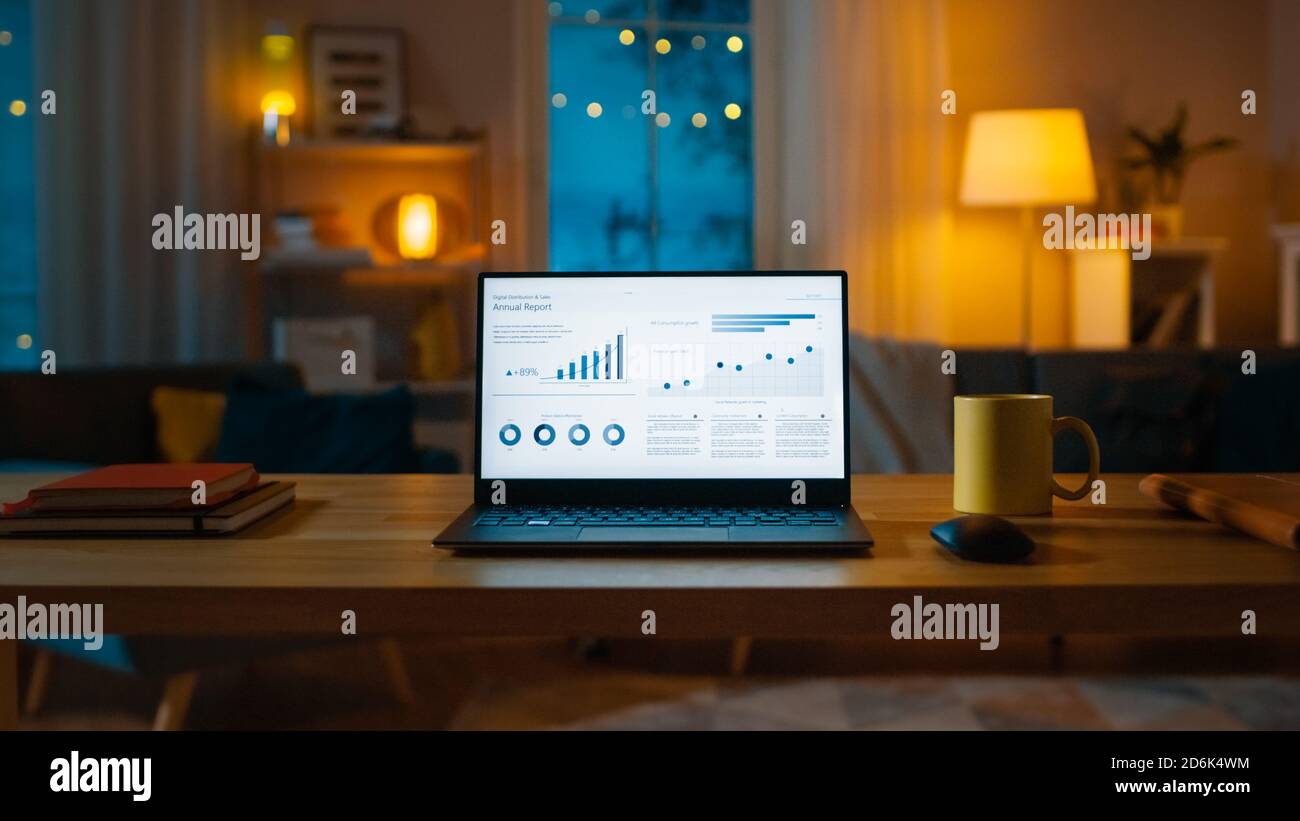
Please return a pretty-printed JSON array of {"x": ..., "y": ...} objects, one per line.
[{"x": 1027, "y": 159}]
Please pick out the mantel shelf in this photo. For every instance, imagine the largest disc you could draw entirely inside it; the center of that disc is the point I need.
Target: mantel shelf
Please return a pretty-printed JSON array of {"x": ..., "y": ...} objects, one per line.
[{"x": 414, "y": 151}]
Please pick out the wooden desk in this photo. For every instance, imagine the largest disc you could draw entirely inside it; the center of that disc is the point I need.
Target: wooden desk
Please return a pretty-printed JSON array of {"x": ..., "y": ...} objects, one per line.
[{"x": 1130, "y": 567}]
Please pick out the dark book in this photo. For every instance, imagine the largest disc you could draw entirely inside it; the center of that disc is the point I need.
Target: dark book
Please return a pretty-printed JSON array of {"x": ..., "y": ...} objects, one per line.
[
  {"x": 138, "y": 487},
  {"x": 244, "y": 509}
]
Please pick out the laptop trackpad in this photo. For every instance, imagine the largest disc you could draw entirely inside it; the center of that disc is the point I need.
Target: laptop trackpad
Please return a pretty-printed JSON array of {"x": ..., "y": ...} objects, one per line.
[{"x": 653, "y": 534}]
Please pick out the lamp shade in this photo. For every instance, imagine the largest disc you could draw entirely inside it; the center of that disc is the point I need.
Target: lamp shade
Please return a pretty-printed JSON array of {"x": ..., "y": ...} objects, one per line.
[
  {"x": 417, "y": 226},
  {"x": 1027, "y": 157}
]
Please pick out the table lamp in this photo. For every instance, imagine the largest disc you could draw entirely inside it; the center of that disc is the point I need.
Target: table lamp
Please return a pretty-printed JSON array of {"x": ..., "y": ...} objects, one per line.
[{"x": 1027, "y": 158}]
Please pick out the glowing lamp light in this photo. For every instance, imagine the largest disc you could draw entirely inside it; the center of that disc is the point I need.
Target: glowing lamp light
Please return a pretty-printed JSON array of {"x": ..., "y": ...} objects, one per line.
[
  {"x": 417, "y": 226},
  {"x": 278, "y": 102},
  {"x": 277, "y": 106},
  {"x": 277, "y": 47},
  {"x": 1027, "y": 157}
]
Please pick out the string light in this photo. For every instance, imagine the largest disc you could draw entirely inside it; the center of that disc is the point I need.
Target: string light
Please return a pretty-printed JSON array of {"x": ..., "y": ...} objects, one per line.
[
  {"x": 592, "y": 16},
  {"x": 699, "y": 120},
  {"x": 594, "y": 110},
  {"x": 732, "y": 111},
  {"x": 735, "y": 44},
  {"x": 6, "y": 38},
  {"x": 663, "y": 46},
  {"x": 559, "y": 100},
  {"x": 18, "y": 108},
  {"x": 24, "y": 340},
  {"x": 662, "y": 119},
  {"x": 627, "y": 37},
  {"x": 697, "y": 42}
]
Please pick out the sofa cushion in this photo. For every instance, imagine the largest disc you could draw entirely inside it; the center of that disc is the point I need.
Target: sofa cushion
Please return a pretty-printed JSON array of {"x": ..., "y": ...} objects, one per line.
[
  {"x": 102, "y": 416},
  {"x": 1151, "y": 411},
  {"x": 188, "y": 423},
  {"x": 1259, "y": 418},
  {"x": 297, "y": 432}
]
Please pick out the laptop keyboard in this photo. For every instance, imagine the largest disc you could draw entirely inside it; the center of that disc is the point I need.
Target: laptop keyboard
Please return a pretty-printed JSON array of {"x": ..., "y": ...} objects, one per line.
[{"x": 668, "y": 516}]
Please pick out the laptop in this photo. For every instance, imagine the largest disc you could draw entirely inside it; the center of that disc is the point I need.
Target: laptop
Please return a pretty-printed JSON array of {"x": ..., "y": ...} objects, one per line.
[{"x": 661, "y": 411}]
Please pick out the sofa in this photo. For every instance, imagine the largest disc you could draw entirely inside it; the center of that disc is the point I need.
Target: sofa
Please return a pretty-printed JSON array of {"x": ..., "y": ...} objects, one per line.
[
  {"x": 81, "y": 418},
  {"x": 1167, "y": 410}
]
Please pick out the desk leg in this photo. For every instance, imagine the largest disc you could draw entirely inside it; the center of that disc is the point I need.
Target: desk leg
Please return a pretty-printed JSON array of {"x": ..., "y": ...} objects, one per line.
[{"x": 8, "y": 684}]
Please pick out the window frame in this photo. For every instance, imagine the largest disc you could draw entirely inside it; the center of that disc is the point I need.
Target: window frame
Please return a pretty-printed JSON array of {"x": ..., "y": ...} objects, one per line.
[{"x": 537, "y": 25}]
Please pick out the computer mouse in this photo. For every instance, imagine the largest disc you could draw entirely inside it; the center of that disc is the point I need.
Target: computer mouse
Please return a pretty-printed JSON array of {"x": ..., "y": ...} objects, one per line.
[{"x": 981, "y": 538}]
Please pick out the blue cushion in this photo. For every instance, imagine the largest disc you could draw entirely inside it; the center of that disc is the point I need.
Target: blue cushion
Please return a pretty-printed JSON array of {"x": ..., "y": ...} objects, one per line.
[
  {"x": 113, "y": 654},
  {"x": 43, "y": 466},
  {"x": 292, "y": 431}
]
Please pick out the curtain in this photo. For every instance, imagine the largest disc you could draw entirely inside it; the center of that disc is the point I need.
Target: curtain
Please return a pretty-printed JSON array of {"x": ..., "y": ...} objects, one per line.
[
  {"x": 853, "y": 143},
  {"x": 148, "y": 117}
]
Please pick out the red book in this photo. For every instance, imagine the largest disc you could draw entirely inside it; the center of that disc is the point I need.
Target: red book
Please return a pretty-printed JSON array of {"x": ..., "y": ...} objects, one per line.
[{"x": 142, "y": 487}]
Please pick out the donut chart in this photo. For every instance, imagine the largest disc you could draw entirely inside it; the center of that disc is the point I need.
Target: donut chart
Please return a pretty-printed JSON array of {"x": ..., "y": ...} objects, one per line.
[
  {"x": 579, "y": 434},
  {"x": 613, "y": 434},
  {"x": 543, "y": 434},
  {"x": 509, "y": 435}
]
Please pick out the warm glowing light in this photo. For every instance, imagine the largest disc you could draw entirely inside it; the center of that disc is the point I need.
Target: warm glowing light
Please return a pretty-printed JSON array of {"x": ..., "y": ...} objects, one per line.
[
  {"x": 24, "y": 341},
  {"x": 1027, "y": 157},
  {"x": 594, "y": 110},
  {"x": 278, "y": 47},
  {"x": 278, "y": 102},
  {"x": 417, "y": 226},
  {"x": 732, "y": 111},
  {"x": 18, "y": 108},
  {"x": 592, "y": 16},
  {"x": 663, "y": 46},
  {"x": 6, "y": 38},
  {"x": 627, "y": 37},
  {"x": 697, "y": 42},
  {"x": 559, "y": 100},
  {"x": 699, "y": 120},
  {"x": 662, "y": 119},
  {"x": 735, "y": 44}
]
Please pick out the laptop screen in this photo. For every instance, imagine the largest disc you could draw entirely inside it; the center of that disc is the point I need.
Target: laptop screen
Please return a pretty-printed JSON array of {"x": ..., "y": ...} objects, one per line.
[{"x": 662, "y": 377}]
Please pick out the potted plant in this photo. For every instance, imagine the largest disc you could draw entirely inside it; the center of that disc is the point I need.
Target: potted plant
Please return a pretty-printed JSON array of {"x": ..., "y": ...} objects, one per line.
[{"x": 1164, "y": 157}]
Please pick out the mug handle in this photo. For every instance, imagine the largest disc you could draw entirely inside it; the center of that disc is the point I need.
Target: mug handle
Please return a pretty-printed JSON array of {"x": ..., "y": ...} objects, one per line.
[{"x": 1079, "y": 426}]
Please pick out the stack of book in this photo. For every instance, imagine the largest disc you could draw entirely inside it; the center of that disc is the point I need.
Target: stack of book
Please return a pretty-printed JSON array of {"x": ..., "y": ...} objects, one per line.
[{"x": 168, "y": 499}]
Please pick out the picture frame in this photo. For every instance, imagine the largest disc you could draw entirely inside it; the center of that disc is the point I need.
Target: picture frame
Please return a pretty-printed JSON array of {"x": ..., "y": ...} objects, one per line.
[{"x": 369, "y": 60}]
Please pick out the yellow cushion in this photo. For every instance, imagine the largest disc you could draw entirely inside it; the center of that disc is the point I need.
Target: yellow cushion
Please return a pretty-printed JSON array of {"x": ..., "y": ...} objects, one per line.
[{"x": 188, "y": 423}]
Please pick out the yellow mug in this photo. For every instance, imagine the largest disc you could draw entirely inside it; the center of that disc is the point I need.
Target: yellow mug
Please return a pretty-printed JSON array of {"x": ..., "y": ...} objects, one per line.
[{"x": 1002, "y": 454}]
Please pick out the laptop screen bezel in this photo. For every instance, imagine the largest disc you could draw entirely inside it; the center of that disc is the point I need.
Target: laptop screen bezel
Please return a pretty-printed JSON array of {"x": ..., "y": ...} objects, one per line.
[{"x": 819, "y": 492}]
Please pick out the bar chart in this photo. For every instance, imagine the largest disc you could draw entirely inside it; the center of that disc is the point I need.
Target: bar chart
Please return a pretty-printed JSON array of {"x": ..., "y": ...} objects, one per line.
[
  {"x": 603, "y": 362},
  {"x": 755, "y": 323}
]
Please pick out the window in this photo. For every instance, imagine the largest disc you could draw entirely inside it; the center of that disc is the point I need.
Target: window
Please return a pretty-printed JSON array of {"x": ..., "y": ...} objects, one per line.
[
  {"x": 663, "y": 189},
  {"x": 18, "y": 107}
]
